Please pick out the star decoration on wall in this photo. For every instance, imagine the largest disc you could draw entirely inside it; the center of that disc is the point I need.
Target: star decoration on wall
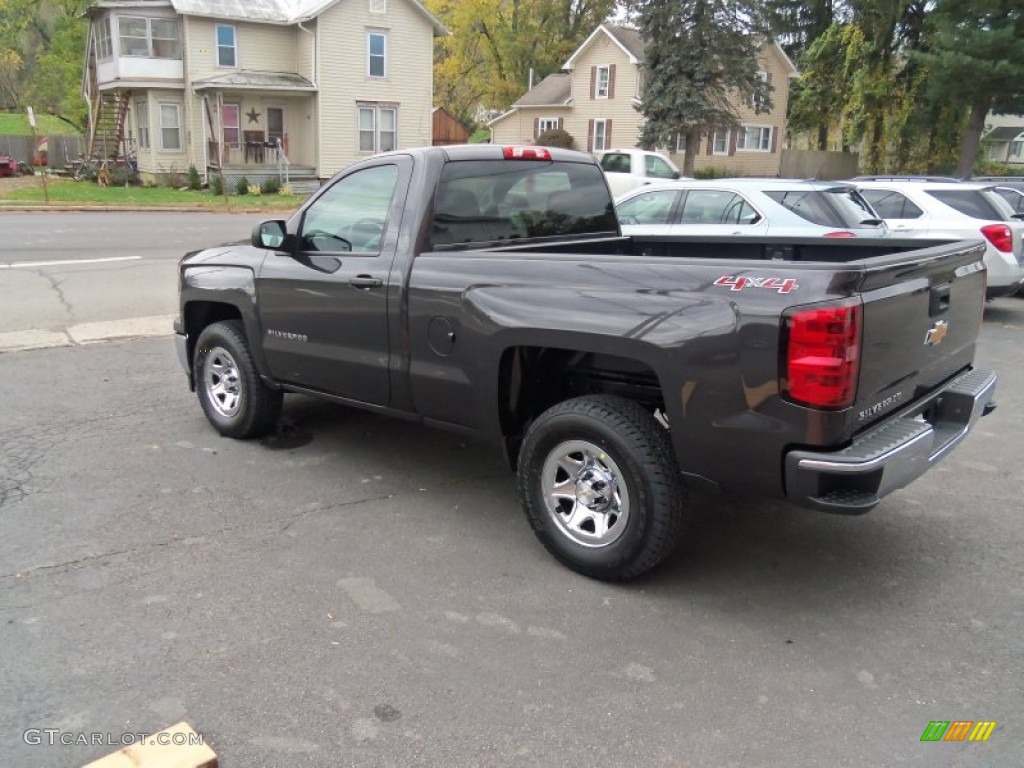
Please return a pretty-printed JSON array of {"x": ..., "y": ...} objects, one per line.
[{"x": 253, "y": 115}]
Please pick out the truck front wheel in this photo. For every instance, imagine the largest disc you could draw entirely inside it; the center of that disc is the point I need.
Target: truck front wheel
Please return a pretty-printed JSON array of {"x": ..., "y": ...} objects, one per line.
[
  {"x": 601, "y": 488},
  {"x": 233, "y": 397}
]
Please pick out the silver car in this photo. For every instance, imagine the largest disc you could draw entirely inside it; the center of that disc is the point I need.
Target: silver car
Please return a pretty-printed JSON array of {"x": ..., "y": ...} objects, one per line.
[
  {"x": 956, "y": 211},
  {"x": 751, "y": 207}
]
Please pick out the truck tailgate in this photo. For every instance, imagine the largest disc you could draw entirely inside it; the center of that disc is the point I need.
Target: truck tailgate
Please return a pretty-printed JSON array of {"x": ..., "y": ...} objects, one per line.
[{"x": 921, "y": 319}]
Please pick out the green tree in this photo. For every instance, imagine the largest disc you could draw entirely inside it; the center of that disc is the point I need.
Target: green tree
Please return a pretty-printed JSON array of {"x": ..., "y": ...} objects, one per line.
[
  {"x": 42, "y": 46},
  {"x": 700, "y": 55},
  {"x": 977, "y": 61},
  {"x": 495, "y": 43}
]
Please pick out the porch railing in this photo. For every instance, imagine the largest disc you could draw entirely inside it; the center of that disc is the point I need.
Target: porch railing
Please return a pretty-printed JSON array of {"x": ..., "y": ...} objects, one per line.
[{"x": 283, "y": 163}]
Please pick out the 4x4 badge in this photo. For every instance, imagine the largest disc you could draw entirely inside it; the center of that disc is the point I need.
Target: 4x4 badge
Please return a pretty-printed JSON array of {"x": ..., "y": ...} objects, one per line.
[{"x": 936, "y": 333}]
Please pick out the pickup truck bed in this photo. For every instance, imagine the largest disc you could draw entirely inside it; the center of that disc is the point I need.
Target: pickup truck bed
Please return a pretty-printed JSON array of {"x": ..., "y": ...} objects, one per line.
[{"x": 610, "y": 370}]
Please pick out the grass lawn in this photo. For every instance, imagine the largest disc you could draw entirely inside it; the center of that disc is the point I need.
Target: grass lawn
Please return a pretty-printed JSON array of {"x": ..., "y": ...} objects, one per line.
[
  {"x": 16, "y": 124},
  {"x": 86, "y": 193}
]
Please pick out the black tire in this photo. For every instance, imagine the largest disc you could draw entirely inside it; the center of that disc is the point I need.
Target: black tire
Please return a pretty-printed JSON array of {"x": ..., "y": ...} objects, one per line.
[
  {"x": 234, "y": 398},
  {"x": 634, "y": 451}
]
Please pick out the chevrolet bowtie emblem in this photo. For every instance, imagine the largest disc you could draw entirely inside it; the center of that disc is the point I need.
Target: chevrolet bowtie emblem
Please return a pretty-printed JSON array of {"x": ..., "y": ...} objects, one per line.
[{"x": 936, "y": 333}]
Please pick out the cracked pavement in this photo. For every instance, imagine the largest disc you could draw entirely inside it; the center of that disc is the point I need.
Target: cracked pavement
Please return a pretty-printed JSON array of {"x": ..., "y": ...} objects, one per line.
[{"x": 359, "y": 591}]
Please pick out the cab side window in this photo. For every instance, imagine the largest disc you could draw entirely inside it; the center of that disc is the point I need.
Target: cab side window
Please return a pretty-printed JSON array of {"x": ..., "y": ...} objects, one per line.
[{"x": 351, "y": 216}]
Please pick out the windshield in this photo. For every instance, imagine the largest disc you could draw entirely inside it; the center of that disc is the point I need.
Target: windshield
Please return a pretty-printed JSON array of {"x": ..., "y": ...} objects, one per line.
[
  {"x": 487, "y": 201},
  {"x": 837, "y": 207}
]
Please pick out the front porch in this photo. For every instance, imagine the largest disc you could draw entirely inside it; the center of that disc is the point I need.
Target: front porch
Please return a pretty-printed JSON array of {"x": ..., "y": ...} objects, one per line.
[{"x": 301, "y": 178}]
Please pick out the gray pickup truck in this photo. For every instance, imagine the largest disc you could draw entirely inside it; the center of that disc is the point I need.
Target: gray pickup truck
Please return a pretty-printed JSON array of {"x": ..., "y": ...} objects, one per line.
[{"x": 488, "y": 290}]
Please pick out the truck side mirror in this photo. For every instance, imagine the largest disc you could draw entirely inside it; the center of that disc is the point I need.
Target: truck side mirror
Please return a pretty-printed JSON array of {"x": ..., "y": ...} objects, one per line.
[
  {"x": 675, "y": 175},
  {"x": 269, "y": 234}
]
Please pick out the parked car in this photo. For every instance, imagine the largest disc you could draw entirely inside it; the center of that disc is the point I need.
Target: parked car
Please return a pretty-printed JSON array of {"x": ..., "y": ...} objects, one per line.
[
  {"x": 756, "y": 207},
  {"x": 1013, "y": 193},
  {"x": 628, "y": 169},
  {"x": 956, "y": 210}
]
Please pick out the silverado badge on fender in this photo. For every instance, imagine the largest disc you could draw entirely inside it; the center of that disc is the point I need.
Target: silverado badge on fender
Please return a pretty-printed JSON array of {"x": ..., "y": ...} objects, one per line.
[{"x": 936, "y": 333}]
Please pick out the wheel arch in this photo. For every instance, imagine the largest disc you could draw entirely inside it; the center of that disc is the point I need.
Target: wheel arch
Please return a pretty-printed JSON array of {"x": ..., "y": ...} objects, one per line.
[{"x": 533, "y": 378}]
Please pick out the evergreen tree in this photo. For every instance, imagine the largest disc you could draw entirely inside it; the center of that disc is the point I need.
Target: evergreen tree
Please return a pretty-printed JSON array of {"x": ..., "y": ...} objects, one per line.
[
  {"x": 700, "y": 57},
  {"x": 977, "y": 61}
]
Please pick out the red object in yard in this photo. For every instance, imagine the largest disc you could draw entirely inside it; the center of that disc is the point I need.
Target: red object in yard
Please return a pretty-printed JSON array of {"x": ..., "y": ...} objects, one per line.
[{"x": 8, "y": 166}]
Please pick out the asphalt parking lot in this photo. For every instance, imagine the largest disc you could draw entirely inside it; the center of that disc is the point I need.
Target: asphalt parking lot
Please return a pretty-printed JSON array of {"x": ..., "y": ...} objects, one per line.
[{"x": 361, "y": 591}]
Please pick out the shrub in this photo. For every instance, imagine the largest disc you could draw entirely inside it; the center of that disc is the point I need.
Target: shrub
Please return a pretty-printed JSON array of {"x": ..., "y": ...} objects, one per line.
[
  {"x": 242, "y": 186},
  {"x": 215, "y": 186},
  {"x": 287, "y": 191},
  {"x": 254, "y": 190},
  {"x": 556, "y": 137},
  {"x": 194, "y": 180},
  {"x": 710, "y": 173},
  {"x": 270, "y": 187}
]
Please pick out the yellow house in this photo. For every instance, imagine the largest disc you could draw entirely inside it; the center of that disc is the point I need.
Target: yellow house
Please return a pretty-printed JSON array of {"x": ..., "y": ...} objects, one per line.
[
  {"x": 254, "y": 87},
  {"x": 595, "y": 99}
]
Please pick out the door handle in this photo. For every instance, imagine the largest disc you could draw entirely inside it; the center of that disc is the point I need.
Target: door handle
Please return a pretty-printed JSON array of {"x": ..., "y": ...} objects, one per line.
[{"x": 365, "y": 282}]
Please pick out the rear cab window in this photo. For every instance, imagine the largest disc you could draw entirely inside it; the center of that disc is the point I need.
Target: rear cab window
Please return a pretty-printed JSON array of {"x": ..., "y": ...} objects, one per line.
[
  {"x": 616, "y": 162},
  {"x": 837, "y": 207},
  {"x": 481, "y": 201},
  {"x": 976, "y": 203}
]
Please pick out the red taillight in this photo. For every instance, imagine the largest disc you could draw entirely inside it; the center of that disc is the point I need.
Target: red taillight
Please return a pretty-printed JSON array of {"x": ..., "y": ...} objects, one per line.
[
  {"x": 1000, "y": 235},
  {"x": 822, "y": 348},
  {"x": 526, "y": 153},
  {"x": 840, "y": 233}
]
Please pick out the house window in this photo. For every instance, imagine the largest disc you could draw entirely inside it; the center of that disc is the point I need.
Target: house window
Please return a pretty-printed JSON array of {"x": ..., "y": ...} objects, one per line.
[
  {"x": 378, "y": 128},
  {"x": 603, "y": 78},
  {"x": 376, "y": 54},
  {"x": 164, "y": 39},
  {"x": 756, "y": 100},
  {"x": 600, "y": 135},
  {"x": 170, "y": 126},
  {"x": 133, "y": 31},
  {"x": 721, "y": 143},
  {"x": 104, "y": 48},
  {"x": 754, "y": 138},
  {"x": 680, "y": 143},
  {"x": 231, "y": 118},
  {"x": 1015, "y": 148},
  {"x": 152, "y": 38},
  {"x": 142, "y": 120},
  {"x": 378, "y": 6},
  {"x": 547, "y": 124},
  {"x": 227, "y": 46}
]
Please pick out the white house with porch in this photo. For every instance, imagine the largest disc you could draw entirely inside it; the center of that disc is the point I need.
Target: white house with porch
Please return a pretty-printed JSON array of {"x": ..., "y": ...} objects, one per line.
[{"x": 257, "y": 88}]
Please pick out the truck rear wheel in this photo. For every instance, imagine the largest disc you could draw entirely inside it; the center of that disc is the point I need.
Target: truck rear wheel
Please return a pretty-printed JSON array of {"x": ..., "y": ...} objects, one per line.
[
  {"x": 601, "y": 488},
  {"x": 233, "y": 397}
]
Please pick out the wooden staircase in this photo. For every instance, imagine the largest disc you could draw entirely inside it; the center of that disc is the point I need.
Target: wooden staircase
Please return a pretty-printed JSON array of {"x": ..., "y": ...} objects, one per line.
[{"x": 107, "y": 139}]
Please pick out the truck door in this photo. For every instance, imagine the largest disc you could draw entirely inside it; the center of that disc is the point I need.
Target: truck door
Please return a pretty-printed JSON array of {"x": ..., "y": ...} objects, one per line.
[{"x": 323, "y": 306}]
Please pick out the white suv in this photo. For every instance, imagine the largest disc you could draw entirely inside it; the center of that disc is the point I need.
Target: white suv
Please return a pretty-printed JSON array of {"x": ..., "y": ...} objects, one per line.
[{"x": 954, "y": 210}]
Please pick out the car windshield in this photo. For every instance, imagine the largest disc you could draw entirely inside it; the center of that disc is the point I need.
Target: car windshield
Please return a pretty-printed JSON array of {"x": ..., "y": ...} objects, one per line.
[
  {"x": 976, "y": 203},
  {"x": 837, "y": 207},
  {"x": 486, "y": 201}
]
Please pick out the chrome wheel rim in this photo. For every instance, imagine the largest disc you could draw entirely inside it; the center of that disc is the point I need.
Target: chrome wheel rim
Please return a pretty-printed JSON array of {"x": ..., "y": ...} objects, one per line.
[
  {"x": 585, "y": 494},
  {"x": 222, "y": 381}
]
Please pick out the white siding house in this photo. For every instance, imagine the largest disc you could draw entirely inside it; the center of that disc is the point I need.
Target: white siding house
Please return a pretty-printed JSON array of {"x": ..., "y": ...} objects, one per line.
[{"x": 249, "y": 86}]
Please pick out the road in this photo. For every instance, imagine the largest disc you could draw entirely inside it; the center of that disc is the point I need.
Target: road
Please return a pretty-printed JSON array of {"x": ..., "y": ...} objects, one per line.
[
  {"x": 71, "y": 277},
  {"x": 358, "y": 591}
]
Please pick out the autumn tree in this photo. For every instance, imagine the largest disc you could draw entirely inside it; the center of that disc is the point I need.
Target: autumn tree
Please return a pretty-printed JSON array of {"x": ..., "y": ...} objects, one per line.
[
  {"x": 495, "y": 43},
  {"x": 701, "y": 55},
  {"x": 42, "y": 46}
]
